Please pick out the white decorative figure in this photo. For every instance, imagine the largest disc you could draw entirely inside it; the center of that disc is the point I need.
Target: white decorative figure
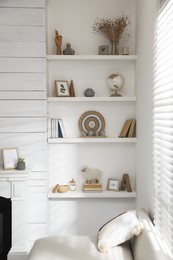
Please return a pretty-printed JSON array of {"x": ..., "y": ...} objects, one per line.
[{"x": 91, "y": 175}]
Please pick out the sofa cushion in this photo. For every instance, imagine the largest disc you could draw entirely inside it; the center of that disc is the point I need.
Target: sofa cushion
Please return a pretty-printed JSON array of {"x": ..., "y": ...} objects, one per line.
[
  {"x": 75, "y": 248},
  {"x": 148, "y": 245},
  {"x": 118, "y": 230}
]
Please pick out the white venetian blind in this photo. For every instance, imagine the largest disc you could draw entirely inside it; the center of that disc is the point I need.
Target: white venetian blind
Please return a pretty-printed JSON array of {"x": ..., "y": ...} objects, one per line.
[{"x": 163, "y": 121}]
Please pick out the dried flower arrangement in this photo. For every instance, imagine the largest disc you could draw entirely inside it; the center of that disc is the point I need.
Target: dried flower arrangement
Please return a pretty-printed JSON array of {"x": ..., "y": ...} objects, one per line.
[{"x": 112, "y": 29}]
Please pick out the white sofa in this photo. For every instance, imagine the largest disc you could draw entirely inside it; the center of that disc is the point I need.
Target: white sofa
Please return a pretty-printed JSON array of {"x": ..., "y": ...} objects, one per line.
[{"x": 146, "y": 246}]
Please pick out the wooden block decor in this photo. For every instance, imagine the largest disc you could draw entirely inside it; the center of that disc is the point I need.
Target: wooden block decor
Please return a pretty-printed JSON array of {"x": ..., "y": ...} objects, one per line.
[
  {"x": 72, "y": 91},
  {"x": 125, "y": 184}
]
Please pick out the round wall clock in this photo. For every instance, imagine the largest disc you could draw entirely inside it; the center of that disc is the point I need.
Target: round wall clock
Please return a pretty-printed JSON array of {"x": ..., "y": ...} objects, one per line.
[{"x": 92, "y": 121}]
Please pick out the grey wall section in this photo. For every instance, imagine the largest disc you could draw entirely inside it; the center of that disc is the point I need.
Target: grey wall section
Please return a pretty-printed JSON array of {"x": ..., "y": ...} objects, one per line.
[{"x": 23, "y": 121}]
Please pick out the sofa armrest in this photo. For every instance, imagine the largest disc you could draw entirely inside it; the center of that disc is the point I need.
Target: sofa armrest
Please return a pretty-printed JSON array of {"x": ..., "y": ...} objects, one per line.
[{"x": 147, "y": 245}]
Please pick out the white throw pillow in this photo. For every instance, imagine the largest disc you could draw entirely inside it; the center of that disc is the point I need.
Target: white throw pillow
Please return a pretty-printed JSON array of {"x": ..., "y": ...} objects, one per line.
[{"x": 118, "y": 230}]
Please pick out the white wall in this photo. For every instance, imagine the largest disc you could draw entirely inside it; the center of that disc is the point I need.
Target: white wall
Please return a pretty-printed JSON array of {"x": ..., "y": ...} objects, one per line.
[
  {"x": 144, "y": 171},
  {"x": 23, "y": 114},
  {"x": 74, "y": 20}
]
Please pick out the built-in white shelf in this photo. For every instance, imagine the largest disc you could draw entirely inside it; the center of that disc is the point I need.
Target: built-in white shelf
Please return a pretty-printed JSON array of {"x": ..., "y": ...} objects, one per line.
[
  {"x": 79, "y": 194},
  {"x": 91, "y": 57},
  {"x": 90, "y": 140},
  {"x": 91, "y": 99}
]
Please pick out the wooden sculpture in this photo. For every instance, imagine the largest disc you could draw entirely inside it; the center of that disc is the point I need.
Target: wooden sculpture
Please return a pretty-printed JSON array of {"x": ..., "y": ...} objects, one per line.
[{"x": 58, "y": 42}]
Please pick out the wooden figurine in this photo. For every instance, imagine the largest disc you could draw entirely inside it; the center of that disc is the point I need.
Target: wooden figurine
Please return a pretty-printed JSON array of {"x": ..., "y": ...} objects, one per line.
[
  {"x": 72, "y": 91},
  {"x": 58, "y": 42}
]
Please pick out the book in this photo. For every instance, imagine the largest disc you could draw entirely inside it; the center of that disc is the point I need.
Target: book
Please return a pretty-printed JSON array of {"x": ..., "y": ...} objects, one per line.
[
  {"x": 61, "y": 128},
  {"x": 53, "y": 128},
  {"x": 125, "y": 129},
  {"x": 92, "y": 187},
  {"x": 131, "y": 132},
  {"x": 60, "y": 135}
]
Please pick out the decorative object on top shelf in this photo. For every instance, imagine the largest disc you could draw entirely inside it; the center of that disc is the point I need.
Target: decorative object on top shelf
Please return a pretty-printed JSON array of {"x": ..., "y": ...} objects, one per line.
[
  {"x": 92, "y": 124},
  {"x": 68, "y": 50},
  {"x": 10, "y": 157},
  {"x": 72, "y": 185},
  {"x": 116, "y": 82},
  {"x": 72, "y": 91},
  {"x": 112, "y": 29},
  {"x": 125, "y": 183},
  {"x": 58, "y": 42},
  {"x": 62, "y": 88},
  {"x": 92, "y": 179},
  {"x": 89, "y": 92},
  {"x": 113, "y": 185},
  {"x": 125, "y": 50},
  {"x": 104, "y": 50},
  {"x": 21, "y": 164},
  {"x": 129, "y": 129}
]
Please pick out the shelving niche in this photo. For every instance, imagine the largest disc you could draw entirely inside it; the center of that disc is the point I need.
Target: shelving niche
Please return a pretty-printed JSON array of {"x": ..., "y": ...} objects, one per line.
[
  {"x": 59, "y": 107},
  {"x": 113, "y": 155}
]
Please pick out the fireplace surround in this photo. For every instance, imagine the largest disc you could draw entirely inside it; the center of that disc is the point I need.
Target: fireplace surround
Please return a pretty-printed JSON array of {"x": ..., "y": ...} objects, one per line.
[
  {"x": 5, "y": 227},
  {"x": 13, "y": 187}
]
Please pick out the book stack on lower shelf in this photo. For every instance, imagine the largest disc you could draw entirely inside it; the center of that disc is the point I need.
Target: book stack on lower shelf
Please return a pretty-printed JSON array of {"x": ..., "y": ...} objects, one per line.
[
  {"x": 92, "y": 187},
  {"x": 129, "y": 129},
  {"x": 56, "y": 128}
]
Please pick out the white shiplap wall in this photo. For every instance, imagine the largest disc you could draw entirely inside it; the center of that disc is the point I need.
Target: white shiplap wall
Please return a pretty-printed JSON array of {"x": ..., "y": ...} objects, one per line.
[{"x": 23, "y": 112}]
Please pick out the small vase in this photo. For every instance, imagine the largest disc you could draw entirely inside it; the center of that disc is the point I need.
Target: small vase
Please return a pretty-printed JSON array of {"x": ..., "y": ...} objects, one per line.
[
  {"x": 114, "y": 49},
  {"x": 21, "y": 166}
]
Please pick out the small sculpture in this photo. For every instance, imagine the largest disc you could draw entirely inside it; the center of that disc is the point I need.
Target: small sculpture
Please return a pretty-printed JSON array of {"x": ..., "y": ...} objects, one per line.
[
  {"x": 68, "y": 50},
  {"x": 91, "y": 175},
  {"x": 89, "y": 92},
  {"x": 58, "y": 42},
  {"x": 116, "y": 82}
]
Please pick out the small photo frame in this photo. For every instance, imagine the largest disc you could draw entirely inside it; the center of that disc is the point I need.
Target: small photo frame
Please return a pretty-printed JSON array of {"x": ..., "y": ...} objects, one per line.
[
  {"x": 104, "y": 50},
  {"x": 62, "y": 88},
  {"x": 10, "y": 157},
  {"x": 113, "y": 185}
]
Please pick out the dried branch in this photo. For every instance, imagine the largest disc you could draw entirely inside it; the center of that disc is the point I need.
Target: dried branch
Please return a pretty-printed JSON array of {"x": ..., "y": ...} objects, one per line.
[{"x": 112, "y": 28}]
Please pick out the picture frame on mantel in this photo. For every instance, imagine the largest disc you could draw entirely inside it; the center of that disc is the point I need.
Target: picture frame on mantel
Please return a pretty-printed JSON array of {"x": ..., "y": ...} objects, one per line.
[
  {"x": 10, "y": 158},
  {"x": 62, "y": 88},
  {"x": 113, "y": 185}
]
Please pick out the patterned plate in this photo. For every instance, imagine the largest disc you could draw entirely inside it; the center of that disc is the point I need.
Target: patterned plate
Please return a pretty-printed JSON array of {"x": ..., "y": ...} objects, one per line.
[{"x": 91, "y": 121}]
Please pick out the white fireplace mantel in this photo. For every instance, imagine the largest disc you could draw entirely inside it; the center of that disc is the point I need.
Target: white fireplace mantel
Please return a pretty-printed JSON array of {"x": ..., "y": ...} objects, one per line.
[{"x": 13, "y": 184}]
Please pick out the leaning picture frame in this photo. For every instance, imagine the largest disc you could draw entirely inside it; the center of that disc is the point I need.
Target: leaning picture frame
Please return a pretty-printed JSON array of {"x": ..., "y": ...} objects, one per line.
[
  {"x": 10, "y": 157},
  {"x": 62, "y": 88},
  {"x": 113, "y": 185}
]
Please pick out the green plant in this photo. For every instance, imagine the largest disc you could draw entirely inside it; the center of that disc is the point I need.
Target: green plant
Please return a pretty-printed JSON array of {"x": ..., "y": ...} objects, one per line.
[{"x": 21, "y": 160}]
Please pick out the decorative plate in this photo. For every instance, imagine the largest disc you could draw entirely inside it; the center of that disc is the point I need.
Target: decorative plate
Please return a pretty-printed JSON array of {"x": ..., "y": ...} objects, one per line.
[{"x": 91, "y": 121}]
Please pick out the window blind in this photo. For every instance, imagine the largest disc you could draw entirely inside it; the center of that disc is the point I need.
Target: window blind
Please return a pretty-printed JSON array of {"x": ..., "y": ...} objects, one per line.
[{"x": 163, "y": 121}]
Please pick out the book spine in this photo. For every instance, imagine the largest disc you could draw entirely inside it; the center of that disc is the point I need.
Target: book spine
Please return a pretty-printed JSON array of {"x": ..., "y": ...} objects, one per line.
[{"x": 62, "y": 128}]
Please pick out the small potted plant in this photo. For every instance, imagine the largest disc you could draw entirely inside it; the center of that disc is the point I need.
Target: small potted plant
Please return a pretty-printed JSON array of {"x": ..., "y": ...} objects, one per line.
[{"x": 21, "y": 164}]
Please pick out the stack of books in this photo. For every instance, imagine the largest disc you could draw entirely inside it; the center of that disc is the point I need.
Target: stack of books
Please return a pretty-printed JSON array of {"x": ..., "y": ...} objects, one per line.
[
  {"x": 129, "y": 129},
  {"x": 92, "y": 187},
  {"x": 56, "y": 128}
]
